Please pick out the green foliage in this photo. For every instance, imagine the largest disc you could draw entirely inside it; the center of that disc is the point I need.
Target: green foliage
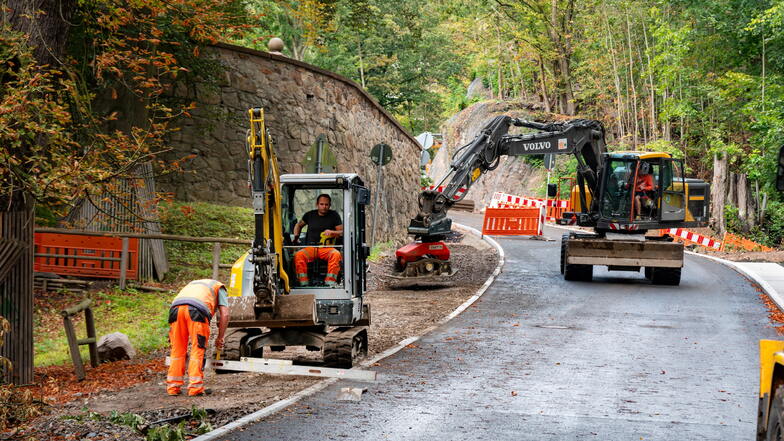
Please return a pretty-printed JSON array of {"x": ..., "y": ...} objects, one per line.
[
  {"x": 378, "y": 250},
  {"x": 58, "y": 146},
  {"x": 425, "y": 181},
  {"x": 191, "y": 260},
  {"x": 129, "y": 419}
]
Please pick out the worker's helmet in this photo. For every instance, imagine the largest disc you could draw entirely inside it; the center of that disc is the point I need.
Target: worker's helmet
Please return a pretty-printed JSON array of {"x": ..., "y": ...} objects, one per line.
[{"x": 645, "y": 168}]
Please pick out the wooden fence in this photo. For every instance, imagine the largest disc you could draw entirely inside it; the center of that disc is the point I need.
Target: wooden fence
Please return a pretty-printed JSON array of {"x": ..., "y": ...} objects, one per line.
[{"x": 16, "y": 295}]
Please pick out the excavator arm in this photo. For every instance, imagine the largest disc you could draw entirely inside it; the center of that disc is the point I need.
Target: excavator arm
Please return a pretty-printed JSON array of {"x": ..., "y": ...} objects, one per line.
[
  {"x": 581, "y": 137},
  {"x": 269, "y": 276}
]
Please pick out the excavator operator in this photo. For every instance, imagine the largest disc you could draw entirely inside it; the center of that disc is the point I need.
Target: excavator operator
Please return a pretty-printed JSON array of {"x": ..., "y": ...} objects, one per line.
[
  {"x": 643, "y": 188},
  {"x": 324, "y": 226}
]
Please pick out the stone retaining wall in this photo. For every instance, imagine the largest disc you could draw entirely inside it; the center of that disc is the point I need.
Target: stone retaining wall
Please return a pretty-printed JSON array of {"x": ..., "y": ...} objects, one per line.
[{"x": 301, "y": 102}]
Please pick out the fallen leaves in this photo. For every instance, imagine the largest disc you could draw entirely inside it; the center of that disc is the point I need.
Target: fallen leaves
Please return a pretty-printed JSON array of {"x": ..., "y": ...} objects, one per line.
[
  {"x": 775, "y": 315},
  {"x": 58, "y": 384}
]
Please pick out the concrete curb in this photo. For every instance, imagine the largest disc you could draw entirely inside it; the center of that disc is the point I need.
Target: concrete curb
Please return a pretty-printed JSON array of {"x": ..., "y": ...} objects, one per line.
[
  {"x": 774, "y": 295},
  {"x": 282, "y": 404},
  {"x": 769, "y": 290}
]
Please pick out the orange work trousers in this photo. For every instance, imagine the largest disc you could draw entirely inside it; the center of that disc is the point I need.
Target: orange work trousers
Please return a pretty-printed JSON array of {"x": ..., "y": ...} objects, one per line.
[
  {"x": 306, "y": 255},
  {"x": 187, "y": 323}
]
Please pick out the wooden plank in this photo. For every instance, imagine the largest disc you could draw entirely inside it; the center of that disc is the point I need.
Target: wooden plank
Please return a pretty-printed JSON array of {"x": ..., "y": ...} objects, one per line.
[
  {"x": 91, "y": 339},
  {"x": 73, "y": 347}
]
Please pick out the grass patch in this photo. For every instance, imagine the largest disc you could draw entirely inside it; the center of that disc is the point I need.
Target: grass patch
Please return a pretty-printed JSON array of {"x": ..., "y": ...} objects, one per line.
[
  {"x": 142, "y": 316},
  {"x": 189, "y": 260},
  {"x": 378, "y": 250}
]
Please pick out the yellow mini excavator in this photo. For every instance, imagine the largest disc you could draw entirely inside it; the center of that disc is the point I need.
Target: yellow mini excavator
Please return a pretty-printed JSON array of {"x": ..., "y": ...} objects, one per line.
[{"x": 270, "y": 309}]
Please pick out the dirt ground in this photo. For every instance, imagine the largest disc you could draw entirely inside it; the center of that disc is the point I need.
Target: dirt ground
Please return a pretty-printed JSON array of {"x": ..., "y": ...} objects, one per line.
[{"x": 396, "y": 315}]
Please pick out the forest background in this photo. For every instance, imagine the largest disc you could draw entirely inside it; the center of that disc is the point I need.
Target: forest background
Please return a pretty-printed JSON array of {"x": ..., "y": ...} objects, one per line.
[{"x": 699, "y": 79}]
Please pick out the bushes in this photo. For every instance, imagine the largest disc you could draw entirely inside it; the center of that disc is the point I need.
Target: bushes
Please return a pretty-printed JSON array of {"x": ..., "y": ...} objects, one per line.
[{"x": 770, "y": 232}]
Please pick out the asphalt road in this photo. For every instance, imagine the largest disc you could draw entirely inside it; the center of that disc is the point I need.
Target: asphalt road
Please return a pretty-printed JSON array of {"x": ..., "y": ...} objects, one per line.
[{"x": 539, "y": 358}]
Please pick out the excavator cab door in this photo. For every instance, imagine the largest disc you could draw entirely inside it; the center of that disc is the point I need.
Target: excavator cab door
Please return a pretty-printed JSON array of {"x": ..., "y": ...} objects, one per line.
[{"x": 673, "y": 190}]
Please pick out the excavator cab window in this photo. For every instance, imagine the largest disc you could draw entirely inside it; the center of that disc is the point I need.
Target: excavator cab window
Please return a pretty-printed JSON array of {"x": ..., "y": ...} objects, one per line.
[
  {"x": 314, "y": 259},
  {"x": 616, "y": 202}
]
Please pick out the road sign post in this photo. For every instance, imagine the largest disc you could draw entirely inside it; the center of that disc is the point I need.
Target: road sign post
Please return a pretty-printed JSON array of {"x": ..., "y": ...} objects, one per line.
[{"x": 380, "y": 154}]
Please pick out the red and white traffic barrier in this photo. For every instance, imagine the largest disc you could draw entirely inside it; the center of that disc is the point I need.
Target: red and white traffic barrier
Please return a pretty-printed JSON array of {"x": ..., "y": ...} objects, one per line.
[
  {"x": 504, "y": 200},
  {"x": 458, "y": 194},
  {"x": 694, "y": 237}
]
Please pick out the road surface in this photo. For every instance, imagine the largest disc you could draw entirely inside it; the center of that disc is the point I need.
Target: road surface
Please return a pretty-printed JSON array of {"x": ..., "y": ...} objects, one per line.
[{"x": 539, "y": 358}]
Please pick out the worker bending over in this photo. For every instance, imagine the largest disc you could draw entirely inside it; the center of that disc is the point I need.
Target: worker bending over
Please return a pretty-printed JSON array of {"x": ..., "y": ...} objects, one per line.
[
  {"x": 322, "y": 223},
  {"x": 189, "y": 319}
]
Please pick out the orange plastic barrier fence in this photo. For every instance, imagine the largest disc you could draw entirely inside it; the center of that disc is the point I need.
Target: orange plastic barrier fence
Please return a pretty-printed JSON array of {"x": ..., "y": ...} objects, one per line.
[
  {"x": 731, "y": 240},
  {"x": 513, "y": 221},
  {"x": 88, "y": 256}
]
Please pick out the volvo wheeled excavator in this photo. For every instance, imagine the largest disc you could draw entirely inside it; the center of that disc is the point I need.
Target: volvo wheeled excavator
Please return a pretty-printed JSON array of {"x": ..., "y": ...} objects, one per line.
[
  {"x": 620, "y": 195},
  {"x": 270, "y": 309}
]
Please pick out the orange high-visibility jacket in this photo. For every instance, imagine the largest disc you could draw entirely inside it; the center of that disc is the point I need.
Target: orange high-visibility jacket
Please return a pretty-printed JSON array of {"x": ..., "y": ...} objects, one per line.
[{"x": 201, "y": 294}]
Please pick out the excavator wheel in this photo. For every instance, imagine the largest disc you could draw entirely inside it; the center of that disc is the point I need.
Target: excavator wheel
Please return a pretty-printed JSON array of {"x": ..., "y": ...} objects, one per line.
[
  {"x": 234, "y": 346},
  {"x": 578, "y": 273},
  {"x": 572, "y": 271},
  {"x": 564, "y": 240},
  {"x": 775, "y": 429},
  {"x": 343, "y": 347},
  {"x": 666, "y": 276}
]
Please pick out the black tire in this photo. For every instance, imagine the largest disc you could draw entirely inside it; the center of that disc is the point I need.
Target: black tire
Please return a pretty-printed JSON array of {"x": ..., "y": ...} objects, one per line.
[
  {"x": 578, "y": 273},
  {"x": 564, "y": 240},
  {"x": 666, "y": 276},
  {"x": 648, "y": 270},
  {"x": 775, "y": 431}
]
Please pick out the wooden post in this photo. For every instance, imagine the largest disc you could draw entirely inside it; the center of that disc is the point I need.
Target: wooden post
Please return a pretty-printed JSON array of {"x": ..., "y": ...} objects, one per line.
[
  {"x": 90, "y": 322},
  {"x": 73, "y": 346},
  {"x": 216, "y": 252},
  {"x": 124, "y": 262},
  {"x": 74, "y": 343}
]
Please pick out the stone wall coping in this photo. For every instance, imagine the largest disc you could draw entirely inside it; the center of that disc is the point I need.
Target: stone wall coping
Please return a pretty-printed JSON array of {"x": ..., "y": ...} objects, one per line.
[{"x": 318, "y": 70}]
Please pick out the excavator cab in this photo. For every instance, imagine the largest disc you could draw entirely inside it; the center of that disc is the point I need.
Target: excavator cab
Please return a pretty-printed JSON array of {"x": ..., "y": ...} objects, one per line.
[
  {"x": 316, "y": 260},
  {"x": 642, "y": 188}
]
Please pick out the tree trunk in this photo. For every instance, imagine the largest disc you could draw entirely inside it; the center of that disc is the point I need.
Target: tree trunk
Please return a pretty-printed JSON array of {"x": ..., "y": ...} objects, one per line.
[
  {"x": 616, "y": 78},
  {"x": 652, "y": 104},
  {"x": 631, "y": 83},
  {"x": 719, "y": 192},
  {"x": 545, "y": 98},
  {"x": 45, "y": 23}
]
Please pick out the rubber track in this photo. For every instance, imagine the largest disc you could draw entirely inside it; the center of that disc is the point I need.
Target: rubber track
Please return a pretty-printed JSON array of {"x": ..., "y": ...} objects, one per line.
[{"x": 337, "y": 348}]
